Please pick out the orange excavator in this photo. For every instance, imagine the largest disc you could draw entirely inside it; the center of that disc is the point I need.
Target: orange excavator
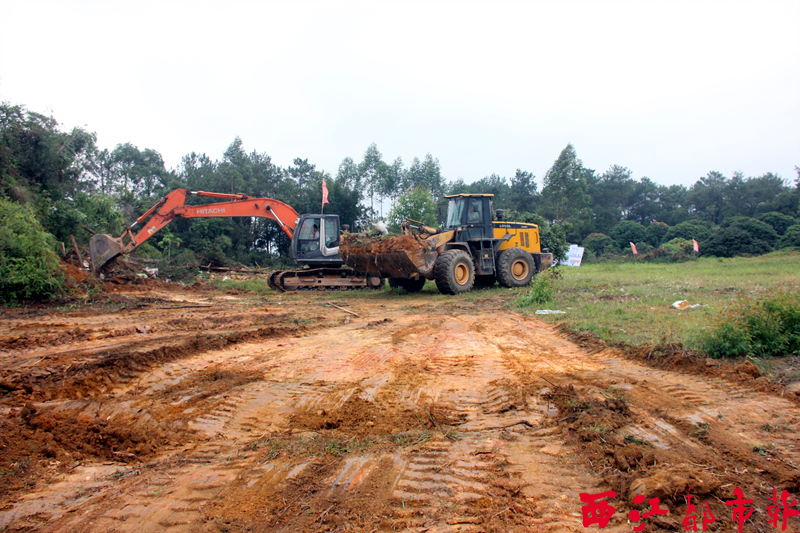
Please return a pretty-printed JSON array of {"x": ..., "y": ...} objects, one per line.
[{"x": 315, "y": 239}]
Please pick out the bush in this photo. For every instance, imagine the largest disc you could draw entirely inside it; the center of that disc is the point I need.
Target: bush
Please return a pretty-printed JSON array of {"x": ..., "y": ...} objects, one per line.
[
  {"x": 29, "y": 269},
  {"x": 791, "y": 237},
  {"x": 628, "y": 231},
  {"x": 691, "y": 229},
  {"x": 779, "y": 222},
  {"x": 663, "y": 254},
  {"x": 761, "y": 231},
  {"x": 600, "y": 244},
  {"x": 758, "y": 328},
  {"x": 733, "y": 241},
  {"x": 540, "y": 292},
  {"x": 679, "y": 245},
  {"x": 656, "y": 232}
]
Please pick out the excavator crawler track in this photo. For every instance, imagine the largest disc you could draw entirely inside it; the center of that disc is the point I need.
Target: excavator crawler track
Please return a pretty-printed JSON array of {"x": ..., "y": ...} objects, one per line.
[{"x": 323, "y": 279}]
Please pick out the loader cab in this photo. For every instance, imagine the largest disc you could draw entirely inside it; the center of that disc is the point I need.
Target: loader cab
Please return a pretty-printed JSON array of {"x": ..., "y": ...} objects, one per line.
[
  {"x": 316, "y": 240},
  {"x": 471, "y": 214}
]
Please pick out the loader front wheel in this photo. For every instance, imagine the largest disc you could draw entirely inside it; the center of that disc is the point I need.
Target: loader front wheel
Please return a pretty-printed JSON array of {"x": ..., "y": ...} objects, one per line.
[
  {"x": 375, "y": 282},
  {"x": 515, "y": 268},
  {"x": 409, "y": 285},
  {"x": 454, "y": 272}
]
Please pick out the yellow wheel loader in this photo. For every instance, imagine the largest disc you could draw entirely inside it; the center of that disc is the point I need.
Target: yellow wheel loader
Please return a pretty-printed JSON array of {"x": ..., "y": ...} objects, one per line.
[{"x": 471, "y": 250}]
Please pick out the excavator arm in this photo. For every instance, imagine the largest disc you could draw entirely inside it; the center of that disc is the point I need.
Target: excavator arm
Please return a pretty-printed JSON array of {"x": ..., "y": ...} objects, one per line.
[{"x": 103, "y": 248}]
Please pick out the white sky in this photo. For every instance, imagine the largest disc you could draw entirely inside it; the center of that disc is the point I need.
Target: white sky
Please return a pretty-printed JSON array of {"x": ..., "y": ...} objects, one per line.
[{"x": 670, "y": 89}]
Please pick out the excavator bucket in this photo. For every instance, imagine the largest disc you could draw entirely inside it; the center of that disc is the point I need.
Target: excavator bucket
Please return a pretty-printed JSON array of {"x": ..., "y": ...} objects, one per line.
[
  {"x": 394, "y": 257},
  {"x": 103, "y": 249}
]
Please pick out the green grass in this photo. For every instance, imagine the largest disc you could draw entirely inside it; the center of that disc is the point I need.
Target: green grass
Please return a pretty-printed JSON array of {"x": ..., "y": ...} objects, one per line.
[
  {"x": 631, "y": 302},
  {"x": 257, "y": 285}
]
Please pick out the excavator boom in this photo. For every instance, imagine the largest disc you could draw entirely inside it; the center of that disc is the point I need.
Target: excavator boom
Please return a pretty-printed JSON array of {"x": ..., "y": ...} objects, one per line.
[{"x": 103, "y": 248}]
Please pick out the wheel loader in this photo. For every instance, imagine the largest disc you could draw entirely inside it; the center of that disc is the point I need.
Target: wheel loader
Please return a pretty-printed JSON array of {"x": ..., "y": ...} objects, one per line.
[{"x": 471, "y": 250}]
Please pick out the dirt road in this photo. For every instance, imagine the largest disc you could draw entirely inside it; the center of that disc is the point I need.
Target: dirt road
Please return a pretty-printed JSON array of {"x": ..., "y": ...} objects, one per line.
[{"x": 168, "y": 409}]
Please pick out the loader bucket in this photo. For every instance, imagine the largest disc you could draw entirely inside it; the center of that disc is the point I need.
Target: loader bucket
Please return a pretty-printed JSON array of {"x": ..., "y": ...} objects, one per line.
[
  {"x": 396, "y": 264},
  {"x": 398, "y": 257},
  {"x": 103, "y": 249}
]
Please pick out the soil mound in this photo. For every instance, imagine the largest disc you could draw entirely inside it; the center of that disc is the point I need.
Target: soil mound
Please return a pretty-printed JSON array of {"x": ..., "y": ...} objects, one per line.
[{"x": 364, "y": 244}]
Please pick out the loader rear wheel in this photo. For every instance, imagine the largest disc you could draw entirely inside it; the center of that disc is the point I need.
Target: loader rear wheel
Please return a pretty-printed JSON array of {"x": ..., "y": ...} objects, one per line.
[
  {"x": 515, "y": 268},
  {"x": 454, "y": 272},
  {"x": 409, "y": 285}
]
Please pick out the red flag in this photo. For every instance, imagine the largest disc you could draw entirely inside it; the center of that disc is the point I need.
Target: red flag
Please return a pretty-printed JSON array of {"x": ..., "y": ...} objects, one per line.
[
  {"x": 633, "y": 249},
  {"x": 696, "y": 246},
  {"x": 324, "y": 193}
]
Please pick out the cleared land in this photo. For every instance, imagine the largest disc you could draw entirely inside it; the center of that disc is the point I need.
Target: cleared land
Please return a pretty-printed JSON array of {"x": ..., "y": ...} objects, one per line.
[{"x": 164, "y": 408}]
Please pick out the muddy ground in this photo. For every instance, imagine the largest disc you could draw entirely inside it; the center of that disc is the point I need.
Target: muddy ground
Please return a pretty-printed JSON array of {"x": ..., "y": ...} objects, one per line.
[{"x": 163, "y": 408}]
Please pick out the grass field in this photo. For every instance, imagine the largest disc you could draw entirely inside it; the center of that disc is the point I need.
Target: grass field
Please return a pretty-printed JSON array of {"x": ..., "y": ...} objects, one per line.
[
  {"x": 631, "y": 302},
  {"x": 628, "y": 302}
]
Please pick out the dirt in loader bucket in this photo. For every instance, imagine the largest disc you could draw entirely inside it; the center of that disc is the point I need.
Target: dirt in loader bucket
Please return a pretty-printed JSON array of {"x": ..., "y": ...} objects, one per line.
[{"x": 397, "y": 256}]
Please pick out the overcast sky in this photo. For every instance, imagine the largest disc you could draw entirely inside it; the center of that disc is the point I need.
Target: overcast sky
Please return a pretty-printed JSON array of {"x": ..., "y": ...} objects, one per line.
[{"x": 670, "y": 89}]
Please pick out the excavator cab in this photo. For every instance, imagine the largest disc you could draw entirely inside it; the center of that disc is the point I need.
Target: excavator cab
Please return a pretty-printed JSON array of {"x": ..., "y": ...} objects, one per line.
[{"x": 316, "y": 241}]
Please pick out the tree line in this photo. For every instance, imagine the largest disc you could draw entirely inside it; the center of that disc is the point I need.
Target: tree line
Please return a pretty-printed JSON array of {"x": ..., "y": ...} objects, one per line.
[{"x": 55, "y": 184}]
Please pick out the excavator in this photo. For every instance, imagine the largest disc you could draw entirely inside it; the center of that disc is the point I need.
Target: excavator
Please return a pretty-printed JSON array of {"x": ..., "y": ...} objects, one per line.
[{"x": 315, "y": 239}]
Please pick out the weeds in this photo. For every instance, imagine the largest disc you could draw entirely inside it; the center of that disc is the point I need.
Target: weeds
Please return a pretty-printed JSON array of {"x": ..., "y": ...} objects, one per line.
[
  {"x": 757, "y": 327},
  {"x": 256, "y": 285},
  {"x": 540, "y": 292},
  {"x": 452, "y": 434},
  {"x": 764, "y": 449},
  {"x": 701, "y": 431},
  {"x": 630, "y": 439},
  {"x": 333, "y": 447},
  {"x": 617, "y": 394}
]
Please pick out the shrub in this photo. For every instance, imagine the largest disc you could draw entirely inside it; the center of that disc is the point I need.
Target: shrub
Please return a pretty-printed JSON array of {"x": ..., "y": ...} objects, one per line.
[
  {"x": 778, "y": 221},
  {"x": 679, "y": 245},
  {"x": 540, "y": 292},
  {"x": 766, "y": 327},
  {"x": 761, "y": 231},
  {"x": 628, "y": 231},
  {"x": 600, "y": 244},
  {"x": 29, "y": 269},
  {"x": 663, "y": 254},
  {"x": 791, "y": 237},
  {"x": 732, "y": 241},
  {"x": 691, "y": 229},
  {"x": 656, "y": 232}
]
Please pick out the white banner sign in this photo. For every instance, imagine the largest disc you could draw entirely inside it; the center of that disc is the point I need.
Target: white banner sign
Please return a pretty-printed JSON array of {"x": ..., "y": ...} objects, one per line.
[{"x": 574, "y": 256}]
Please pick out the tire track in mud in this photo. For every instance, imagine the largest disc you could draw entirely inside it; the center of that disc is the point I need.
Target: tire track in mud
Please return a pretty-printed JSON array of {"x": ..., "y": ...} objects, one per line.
[
  {"x": 708, "y": 434},
  {"x": 457, "y": 449},
  {"x": 115, "y": 366},
  {"x": 439, "y": 480},
  {"x": 430, "y": 422}
]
